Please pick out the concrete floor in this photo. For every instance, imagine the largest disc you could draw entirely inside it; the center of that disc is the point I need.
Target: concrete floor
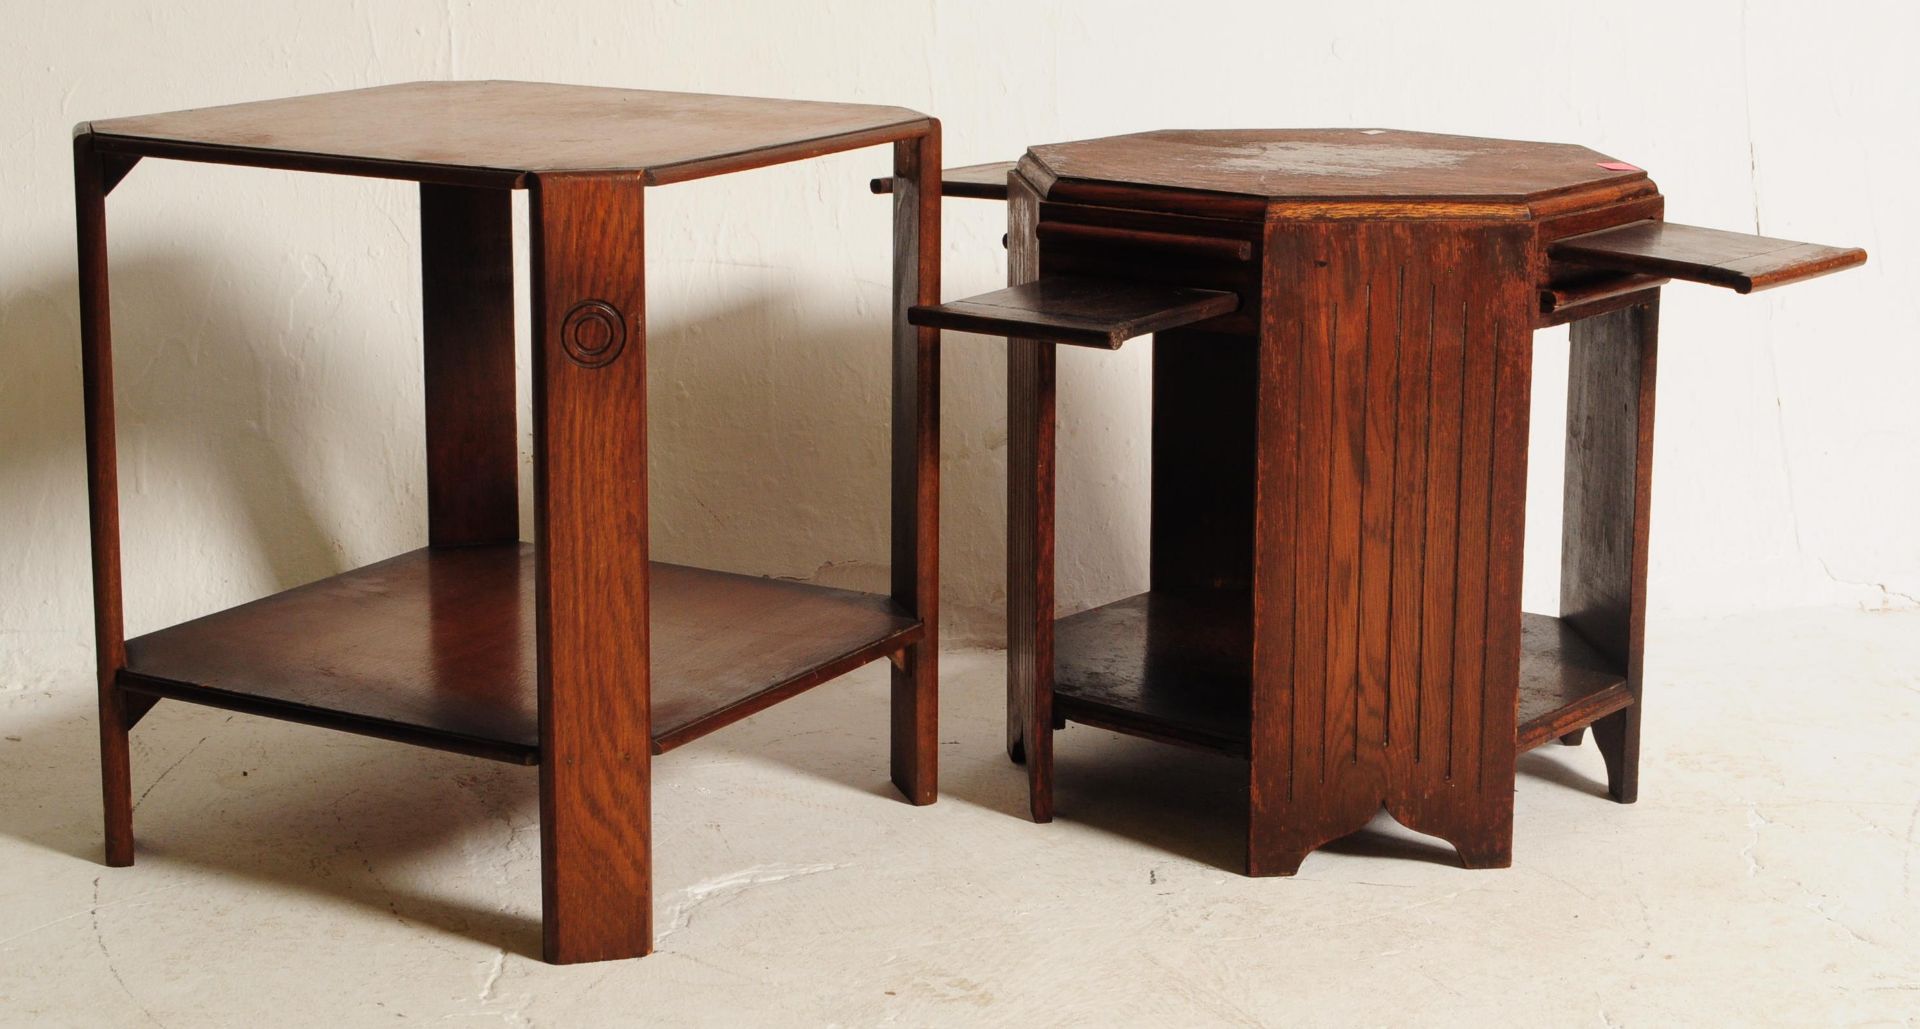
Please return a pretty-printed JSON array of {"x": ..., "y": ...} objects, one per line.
[{"x": 294, "y": 876}]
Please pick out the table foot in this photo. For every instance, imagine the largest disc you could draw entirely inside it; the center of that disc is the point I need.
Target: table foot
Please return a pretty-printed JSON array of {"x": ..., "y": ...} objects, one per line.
[
  {"x": 1040, "y": 784},
  {"x": 1494, "y": 851},
  {"x": 1276, "y": 863},
  {"x": 116, "y": 777},
  {"x": 1618, "y": 737},
  {"x": 916, "y": 725}
]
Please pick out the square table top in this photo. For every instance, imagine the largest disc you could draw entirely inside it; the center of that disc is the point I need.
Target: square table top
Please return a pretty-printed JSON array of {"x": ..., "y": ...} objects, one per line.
[{"x": 497, "y": 132}]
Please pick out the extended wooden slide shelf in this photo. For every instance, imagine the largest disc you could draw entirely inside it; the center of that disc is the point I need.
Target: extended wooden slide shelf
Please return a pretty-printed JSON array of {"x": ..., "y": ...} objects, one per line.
[
  {"x": 1081, "y": 310},
  {"x": 1174, "y": 667},
  {"x": 1736, "y": 260},
  {"x": 435, "y": 647}
]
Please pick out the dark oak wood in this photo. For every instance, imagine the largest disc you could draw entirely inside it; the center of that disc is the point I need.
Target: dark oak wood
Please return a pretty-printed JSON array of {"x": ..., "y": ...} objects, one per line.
[
  {"x": 113, "y": 168},
  {"x": 1174, "y": 665},
  {"x": 577, "y": 653},
  {"x": 435, "y": 647},
  {"x": 90, "y": 185},
  {"x": 1608, "y": 497},
  {"x": 916, "y": 465},
  {"x": 1031, "y": 365},
  {"x": 1204, "y": 393},
  {"x": 1170, "y": 665},
  {"x": 1381, "y": 671},
  {"x": 466, "y": 298},
  {"x": 1204, "y": 247},
  {"x": 1082, "y": 311},
  {"x": 1365, "y": 165},
  {"x": 1736, "y": 260},
  {"x": 1166, "y": 250},
  {"x": 590, "y": 544},
  {"x": 977, "y": 181},
  {"x": 497, "y": 132},
  {"x": 1565, "y": 685},
  {"x": 1340, "y": 468},
  {"x": 1565, "y": 301}
]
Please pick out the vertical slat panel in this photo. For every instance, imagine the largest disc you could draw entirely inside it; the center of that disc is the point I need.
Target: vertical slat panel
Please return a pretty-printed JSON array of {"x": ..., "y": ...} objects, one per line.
[
  {"x": 916, "y": 463},
  {"x": 1393, "y": 432},
  {"x": 1280, "y": 804},
  {"x": 1313, "y": 502},
  {"x": 1406, "y": 664},
  {"x": 1480, "y": 333},
  {"x": 1506, "y": 548},
  {"x": 1446, "y": 321},
  {"x": 1379, "y": 474},
  {"x": 590, "y": 482},
  {"x": 1344, "y": 325},
  {"x": 466, "y": 295}
]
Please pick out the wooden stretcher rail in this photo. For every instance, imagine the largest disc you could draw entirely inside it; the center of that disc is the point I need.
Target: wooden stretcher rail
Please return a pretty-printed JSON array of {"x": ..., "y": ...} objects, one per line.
[
  {"x": 1221, "y": 248},
  {"x": 1734, "y": 260},
  {"x": 1593, "y": 294},
  {"x": 1080, "y": 310},
  {"x": 978, "y": 181}
]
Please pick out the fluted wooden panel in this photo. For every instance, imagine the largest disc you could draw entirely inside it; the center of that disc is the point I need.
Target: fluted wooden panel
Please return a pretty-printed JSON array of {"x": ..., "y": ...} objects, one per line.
[{"x": 1391, "y": 499}]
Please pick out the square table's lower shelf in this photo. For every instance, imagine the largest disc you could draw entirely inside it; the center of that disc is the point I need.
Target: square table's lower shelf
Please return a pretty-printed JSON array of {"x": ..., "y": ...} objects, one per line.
[
  {"x": 436, "y": 647},
  {"x": 1175, "y": 667}
]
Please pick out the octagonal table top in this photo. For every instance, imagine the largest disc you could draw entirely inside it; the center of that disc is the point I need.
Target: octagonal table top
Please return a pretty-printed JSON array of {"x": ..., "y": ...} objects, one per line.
[{"x": 1322, "y": 165}]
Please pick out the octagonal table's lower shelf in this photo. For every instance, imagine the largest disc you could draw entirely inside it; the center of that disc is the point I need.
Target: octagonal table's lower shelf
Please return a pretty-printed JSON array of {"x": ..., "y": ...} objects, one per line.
[
  {"x": 1170, "y": 666},
  {"x": 1176, "y": 667},
  {"x": 436, "y": 647}
]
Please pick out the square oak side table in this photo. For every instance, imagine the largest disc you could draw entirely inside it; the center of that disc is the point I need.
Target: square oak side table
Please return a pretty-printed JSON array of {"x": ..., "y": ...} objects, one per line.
[
  {"x": 1341, "y": 380},
  {"x": 576, "y": 654}
]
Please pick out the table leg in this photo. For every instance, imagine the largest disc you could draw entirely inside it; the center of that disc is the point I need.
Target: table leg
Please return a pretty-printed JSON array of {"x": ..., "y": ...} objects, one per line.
[
  {"x": 916, "y": 465},
  {"x": 590, "y": 487},
  {"x": 466, "y": 297},
  {"x": 1030, "y": 500},
  {"x": 92, "y": 178},
  {"x": 1609, "y": 479}
]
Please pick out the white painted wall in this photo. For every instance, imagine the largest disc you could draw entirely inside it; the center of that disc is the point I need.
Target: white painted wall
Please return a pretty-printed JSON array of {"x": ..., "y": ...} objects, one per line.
[{"x": 267, "y": 322}]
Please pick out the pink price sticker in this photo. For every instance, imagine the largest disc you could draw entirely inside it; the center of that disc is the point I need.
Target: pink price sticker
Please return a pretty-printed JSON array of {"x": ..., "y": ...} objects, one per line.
[{"x": 1619, "y": 166}]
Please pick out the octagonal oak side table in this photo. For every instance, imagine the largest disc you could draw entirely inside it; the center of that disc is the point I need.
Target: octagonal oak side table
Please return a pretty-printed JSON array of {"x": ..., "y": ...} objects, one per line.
[
  {"x": 576, "y": 653},
  {"x": 1341, "y": 380}
]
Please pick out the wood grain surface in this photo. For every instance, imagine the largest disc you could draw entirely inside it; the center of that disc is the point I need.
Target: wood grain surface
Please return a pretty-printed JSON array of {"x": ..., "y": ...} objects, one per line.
[
  {"x": 1078, "y": 310},
  {"x": 1738, "y": 261},
  {"x": 590, "y": 540},
  {"x": 1031, "y": 394},
  {"x": 1608, "y": 496},
  {"x": 1364, "y": 164},
  {"x": 497, "y": 132},
  {"x": 915, "y": 529},
  {"x": 466, "y": 299},
  {"x": 117, "y": 714}
]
